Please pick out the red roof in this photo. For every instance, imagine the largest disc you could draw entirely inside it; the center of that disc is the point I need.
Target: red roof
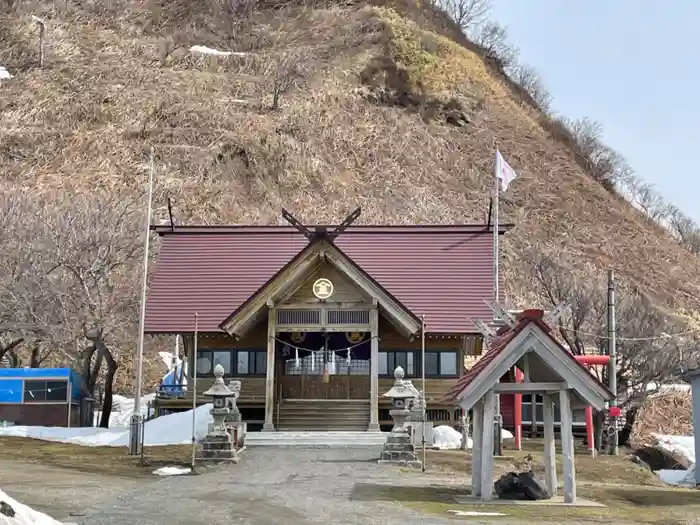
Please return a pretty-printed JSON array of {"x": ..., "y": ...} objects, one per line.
[
  {"x": 505, "y": 336},
  {"x": 442, "y": 272}
]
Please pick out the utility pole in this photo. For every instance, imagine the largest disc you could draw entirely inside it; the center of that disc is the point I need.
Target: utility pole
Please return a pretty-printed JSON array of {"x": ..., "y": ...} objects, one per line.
[
  {"x": 612, "y": 363},
  {"x": 136, "y": 426}
]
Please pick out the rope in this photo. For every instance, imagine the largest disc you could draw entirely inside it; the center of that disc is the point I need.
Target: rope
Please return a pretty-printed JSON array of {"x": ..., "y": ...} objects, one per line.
[{"x": 294, "y": 347}]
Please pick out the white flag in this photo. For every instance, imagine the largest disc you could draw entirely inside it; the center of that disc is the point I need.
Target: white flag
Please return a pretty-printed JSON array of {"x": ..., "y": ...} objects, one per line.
[{"x": 504, "y": 172}]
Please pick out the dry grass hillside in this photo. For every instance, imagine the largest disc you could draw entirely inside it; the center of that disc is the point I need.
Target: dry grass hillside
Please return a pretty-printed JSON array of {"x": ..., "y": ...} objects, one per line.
[{"x": 379, "y": 106}]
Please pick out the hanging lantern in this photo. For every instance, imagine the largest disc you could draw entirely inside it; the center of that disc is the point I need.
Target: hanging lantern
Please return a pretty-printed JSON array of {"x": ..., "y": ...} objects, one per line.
[
  {"x": 326, "y": 375},
  {"x": 313, "y": 361},
  {"x": 348, "y": 359},
  {"x": 297, "y": 361}
]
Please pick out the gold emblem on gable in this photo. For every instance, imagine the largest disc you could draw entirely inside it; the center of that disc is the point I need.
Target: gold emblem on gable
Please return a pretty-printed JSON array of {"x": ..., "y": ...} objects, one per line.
[
  {"x": 323, "y": 288},
  {"x": 354, "y": 337}
]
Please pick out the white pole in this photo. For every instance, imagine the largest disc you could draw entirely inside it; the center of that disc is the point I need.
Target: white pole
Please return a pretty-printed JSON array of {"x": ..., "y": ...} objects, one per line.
[
  {"x": 70, "y": 399},
  {"x": 496, "y": 295},
  {"x": 194, "y": 386},
  {"x": 497, "y": 191},
  {"x": 422, "y": 367},
  {"x": 136, "y": 418}
]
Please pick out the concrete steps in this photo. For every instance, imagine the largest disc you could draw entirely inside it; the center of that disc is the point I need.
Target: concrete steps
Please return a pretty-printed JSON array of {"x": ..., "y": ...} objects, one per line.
[
  {"x": 298, "y": 415},
  {"x": 331, "y": 439}
]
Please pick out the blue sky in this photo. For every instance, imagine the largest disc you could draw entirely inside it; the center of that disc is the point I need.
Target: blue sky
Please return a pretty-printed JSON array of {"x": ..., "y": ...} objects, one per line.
[{"x": 630, "y": 65}]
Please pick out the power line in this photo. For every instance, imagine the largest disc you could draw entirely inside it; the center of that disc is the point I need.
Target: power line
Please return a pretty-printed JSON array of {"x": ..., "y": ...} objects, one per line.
[{"x": 663, "y": 335}]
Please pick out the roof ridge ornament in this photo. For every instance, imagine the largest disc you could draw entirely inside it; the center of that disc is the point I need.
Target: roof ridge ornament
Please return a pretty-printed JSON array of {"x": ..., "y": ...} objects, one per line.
[
  {"x": 501, "y": 314},
  {"x": 321, "y": 232}
]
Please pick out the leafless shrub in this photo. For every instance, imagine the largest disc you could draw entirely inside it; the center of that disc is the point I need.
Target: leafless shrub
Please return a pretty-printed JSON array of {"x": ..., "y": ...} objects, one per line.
[
  {"x": 287, "y": 70},
  {"x": 493, "y": 39},
  {"x": 466, "y": 13}
]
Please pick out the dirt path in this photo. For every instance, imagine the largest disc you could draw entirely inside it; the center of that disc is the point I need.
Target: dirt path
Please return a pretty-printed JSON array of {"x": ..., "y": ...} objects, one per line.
[{"x": 59, "y": 492}]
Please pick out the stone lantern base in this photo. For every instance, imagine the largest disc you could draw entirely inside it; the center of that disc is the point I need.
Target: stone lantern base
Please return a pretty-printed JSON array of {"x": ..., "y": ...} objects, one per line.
[
  {"x": 219, "y": 447},
  {"x": 400, "y": 450}
]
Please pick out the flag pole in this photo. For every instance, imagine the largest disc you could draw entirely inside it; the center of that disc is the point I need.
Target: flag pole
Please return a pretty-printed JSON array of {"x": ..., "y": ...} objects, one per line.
[
  {"x": 496, "y": 295},
  {"x": 497, "y": 191},
  {"x": 194, "y": 389}
]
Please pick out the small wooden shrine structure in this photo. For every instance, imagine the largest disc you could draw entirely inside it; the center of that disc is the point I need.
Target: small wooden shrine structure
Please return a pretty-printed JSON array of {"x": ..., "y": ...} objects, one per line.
[{"x": 549, "y": 369}]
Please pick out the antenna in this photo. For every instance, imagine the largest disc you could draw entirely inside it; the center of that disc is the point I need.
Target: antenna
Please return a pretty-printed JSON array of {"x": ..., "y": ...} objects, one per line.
[{"x": 501, "y": 314}]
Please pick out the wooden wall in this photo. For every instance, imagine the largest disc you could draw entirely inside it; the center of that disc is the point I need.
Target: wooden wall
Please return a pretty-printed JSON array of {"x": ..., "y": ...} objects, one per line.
[{"x": 252, "y": 388}]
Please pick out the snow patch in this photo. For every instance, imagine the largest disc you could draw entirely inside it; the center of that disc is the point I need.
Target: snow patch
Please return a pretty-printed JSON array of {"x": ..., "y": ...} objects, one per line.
[
  {"x": 173, "y": 429},
  {"x": 474, "y": 513},
  {"x": 447, "y": 438},
  {"x": 683, "y": 446},
  {"x": 23, "y": 515},
  {"x": 172, "y": 471},
  {"x": 204, "y": 50}
]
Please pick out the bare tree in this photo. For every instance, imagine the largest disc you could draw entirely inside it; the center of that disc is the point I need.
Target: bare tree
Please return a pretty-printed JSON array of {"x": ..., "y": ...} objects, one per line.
[
  {"x": 645, "y": 355},
  {"x": 528, "y": 79},
  {"x": 72, "y": 282},
  {"x": 649, "y": 201},
  {"x": 466, "y": 13},
  {"x": 686, "y": 230},
  {"x": 493, "y": 39}
]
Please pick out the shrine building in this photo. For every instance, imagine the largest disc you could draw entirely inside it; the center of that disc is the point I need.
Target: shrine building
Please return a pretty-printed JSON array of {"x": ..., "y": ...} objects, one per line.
[{"x": 314, "y": 320}]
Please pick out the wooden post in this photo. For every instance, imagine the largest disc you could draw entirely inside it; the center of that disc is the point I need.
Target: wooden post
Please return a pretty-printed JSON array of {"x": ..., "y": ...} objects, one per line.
[
  {"x": 477, "y": 436},
  {"x": 550, "y": 462},
  {"x": 374, "y": 370},
  {"x": 487, "y": 446},
  {"x": 567, "y": 446},
  {"x": 269, "y": 425}
]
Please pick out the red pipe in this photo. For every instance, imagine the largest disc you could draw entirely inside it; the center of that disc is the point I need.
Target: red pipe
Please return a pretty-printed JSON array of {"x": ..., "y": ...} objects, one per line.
[
  {"x": 518, "y": 412},
  {"x": 592, "y": 359}
]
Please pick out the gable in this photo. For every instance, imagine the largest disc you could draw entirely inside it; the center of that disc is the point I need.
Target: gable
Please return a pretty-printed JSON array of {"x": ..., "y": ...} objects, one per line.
[
  {"x": 344, "y": 289},
  {"x": 288, "y": 281}
]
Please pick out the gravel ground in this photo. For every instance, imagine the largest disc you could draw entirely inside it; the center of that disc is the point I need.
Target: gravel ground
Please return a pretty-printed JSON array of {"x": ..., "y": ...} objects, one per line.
[
  {"x": 59, "y": 492},
  {"x": 269, "y": 487}
]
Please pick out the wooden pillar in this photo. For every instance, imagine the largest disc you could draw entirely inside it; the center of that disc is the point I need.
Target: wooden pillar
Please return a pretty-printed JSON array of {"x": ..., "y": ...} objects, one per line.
[
  {"x": 567, "y": 446},
  {"x": 477, "y": 436},
  {"x": 374, "y": 371},
  {"x": 269, "y": 425},
  {"x": 487, "y": 446},
  {"x": 550, "y": 461}
]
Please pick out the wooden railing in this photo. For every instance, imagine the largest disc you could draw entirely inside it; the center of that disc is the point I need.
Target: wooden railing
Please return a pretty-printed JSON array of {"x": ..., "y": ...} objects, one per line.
[{"x": 252, "y": 389}]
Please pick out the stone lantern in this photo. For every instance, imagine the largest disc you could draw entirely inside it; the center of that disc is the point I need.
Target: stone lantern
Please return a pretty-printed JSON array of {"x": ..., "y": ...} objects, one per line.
[
  {"x": 234, "y": 422},
  {"x": 218, "y": 445},
  {"x": 399, "y": 448}
]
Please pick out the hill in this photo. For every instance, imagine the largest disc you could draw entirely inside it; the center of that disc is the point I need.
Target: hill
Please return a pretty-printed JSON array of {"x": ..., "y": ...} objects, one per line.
[{"x": 323, "y": 107}]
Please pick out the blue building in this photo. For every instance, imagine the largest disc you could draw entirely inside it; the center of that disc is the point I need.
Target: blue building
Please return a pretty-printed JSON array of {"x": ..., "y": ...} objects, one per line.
[{"x": 41, "y": 396}]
